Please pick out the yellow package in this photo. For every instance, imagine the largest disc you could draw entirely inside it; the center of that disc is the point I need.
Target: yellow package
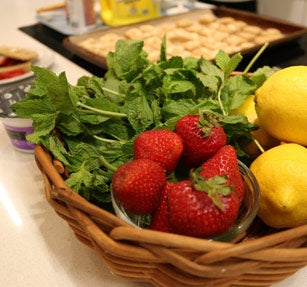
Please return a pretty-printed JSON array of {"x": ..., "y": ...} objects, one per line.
[{"x": 124, "y": 12}]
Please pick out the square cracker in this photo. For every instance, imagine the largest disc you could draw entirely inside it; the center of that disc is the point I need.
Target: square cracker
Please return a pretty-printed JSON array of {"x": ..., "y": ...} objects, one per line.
[{"x": 18, "y": 53}]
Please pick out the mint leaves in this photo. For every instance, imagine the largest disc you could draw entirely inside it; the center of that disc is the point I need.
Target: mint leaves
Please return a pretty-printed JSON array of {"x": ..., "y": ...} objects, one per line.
[{"x": 100, "y": 117}]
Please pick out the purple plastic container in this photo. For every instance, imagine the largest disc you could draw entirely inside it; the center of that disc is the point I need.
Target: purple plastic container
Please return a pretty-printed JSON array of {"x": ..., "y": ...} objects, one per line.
[{"x": 16, "y": 128}]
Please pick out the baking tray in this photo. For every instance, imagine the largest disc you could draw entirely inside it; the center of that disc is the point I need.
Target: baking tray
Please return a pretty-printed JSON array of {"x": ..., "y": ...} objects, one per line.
[{"x": 289, "y": 31}]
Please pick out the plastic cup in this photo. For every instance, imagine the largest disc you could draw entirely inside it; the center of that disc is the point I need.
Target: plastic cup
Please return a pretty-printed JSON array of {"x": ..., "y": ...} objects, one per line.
[{"x": 17, "y": 130}]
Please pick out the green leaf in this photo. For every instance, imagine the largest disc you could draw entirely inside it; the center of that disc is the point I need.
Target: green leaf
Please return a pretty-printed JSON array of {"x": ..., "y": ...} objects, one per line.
[
  {"x": 93, "y": 85},
  {"x": 261, "y": 75},
  {"x": 182, "y": 83},
  {"x": 43, "y": 125},
  {"x": 181, "y": 107},
  {"x": 79, "y": 178},
  {"x": 70, "y": 125},
  {"x": 191, "y": 63},
  {"x": 29, "y": 107},
  {"x": 175, "y": 87},
  {"x": 210, "y": 105},
  {"x": 56, "y": 87},
  {"x": 208, "y": 68},
  {"x": 128, "y": 59},
  {"x": 175, "y": 62},
  {"x": 116, "y": 129},
  {"x": 156, "y": 112},
  {"x": 55, "y": 146},
  {"x": 236, "y": 90},
  {"x": 238, "y": 130},
  {"x": 138, "y": 111},
  {"x": 226, "y": 63}
]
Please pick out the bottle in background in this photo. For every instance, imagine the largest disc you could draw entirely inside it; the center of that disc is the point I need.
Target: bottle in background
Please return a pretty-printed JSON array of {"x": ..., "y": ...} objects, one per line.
[
  {"x": 124, "y": 12},
  {"x": 81, "y": 14}
]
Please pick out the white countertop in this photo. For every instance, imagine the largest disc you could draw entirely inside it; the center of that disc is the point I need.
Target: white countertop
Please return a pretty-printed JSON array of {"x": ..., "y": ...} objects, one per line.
[{"x": 37, "y": 248}]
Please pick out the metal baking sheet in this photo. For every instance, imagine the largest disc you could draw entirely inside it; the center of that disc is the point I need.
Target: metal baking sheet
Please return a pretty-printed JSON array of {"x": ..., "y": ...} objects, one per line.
[{"x": 289, "y": 31}]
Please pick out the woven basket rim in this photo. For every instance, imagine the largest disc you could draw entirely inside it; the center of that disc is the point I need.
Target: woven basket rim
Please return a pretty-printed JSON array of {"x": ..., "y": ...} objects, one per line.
[{"x": 128, "y": 250}]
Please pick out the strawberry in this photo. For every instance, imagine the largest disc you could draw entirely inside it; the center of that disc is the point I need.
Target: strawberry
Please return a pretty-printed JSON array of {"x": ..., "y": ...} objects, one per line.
[
  {"x": 138, "y": 184},
  {"x": 225, "y": 162},
  {"x": 7, "y": 61},
  {"x": 11, "y": 74},
  {"x": 160, "y": 219},
  {"x": 193, "y": 212},
  {"x": 162, "y": 146},
  {"x": 201, "y": 136}
]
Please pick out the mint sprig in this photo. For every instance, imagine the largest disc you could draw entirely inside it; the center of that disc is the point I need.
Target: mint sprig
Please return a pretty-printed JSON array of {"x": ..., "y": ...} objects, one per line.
[{"x": 100, "y": 117}]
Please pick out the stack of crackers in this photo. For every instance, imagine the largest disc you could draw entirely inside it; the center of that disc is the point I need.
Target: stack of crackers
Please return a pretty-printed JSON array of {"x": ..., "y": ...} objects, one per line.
[{"x": 15, "y": 61}]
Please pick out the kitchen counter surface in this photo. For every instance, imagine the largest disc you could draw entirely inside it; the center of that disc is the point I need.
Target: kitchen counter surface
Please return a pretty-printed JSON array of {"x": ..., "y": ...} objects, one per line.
[{"x": 37, "y": 247}]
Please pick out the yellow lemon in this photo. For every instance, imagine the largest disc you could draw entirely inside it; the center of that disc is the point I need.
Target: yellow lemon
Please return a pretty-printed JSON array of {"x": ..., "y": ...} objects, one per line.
[
  {"x": 281, "y": 173},
  {"x": 281, "y": 105},
  {"x": 265, "y": 140}
]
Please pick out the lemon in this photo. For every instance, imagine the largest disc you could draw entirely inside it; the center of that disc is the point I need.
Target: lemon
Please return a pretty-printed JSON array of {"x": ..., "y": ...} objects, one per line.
[
  {"x": 265, "y": 140},
  {"x": 281, "y": 173},
  {"x": 281, "y": 105}
]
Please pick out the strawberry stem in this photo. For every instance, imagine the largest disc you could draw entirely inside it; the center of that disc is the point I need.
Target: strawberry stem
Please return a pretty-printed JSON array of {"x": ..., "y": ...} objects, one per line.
[
  {"x": 213, "y": 186},
  {"x": 207, "y": 121}
]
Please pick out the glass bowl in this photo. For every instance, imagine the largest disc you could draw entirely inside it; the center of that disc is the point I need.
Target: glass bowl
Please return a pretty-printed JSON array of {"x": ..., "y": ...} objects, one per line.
[{"x": 247, "y": 213}]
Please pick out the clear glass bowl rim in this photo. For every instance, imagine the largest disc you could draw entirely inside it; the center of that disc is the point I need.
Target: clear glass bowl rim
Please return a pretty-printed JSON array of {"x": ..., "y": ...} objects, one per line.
[{"x": 246, "y": 215}]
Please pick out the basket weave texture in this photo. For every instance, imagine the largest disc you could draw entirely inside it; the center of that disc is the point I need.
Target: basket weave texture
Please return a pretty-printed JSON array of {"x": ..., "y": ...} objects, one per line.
[{"x": 262, "y": 257}]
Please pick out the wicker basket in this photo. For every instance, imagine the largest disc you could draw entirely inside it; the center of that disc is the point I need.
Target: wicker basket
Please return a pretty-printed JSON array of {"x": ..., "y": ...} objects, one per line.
[{"x": 263, "y": 257}]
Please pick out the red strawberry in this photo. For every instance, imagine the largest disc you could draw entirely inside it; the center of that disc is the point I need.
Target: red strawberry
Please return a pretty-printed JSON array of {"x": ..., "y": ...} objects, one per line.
[
  {"x": 138, "y": 184},
  {"x": 11, "y": 74},
  {"x": 192, "y": 212},
  {"x": 201, "y": 138},
  {"x": 160, "y": 219},
  {"x": 7, "y": 61},
  {"x": 162, "y": 146},
  {"x": 225, "y": 162}
]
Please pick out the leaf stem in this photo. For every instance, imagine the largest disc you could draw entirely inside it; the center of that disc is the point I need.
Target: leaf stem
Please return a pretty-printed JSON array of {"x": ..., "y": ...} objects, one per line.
[
  {"x": 110, "y": 91},
  {"x": 108, "y": 140},
  {"x": 255, "y": 58},
  {"x": 104, "y": 139},
  {"x": 102, "y": 112},
  {"x": 258, "y": 144},
  {"x": 139, "y": 76},
  {"x": 118, "y": 94},
  {"x": 106, "y": 164},
  {"x": 219, "y": 93}
]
